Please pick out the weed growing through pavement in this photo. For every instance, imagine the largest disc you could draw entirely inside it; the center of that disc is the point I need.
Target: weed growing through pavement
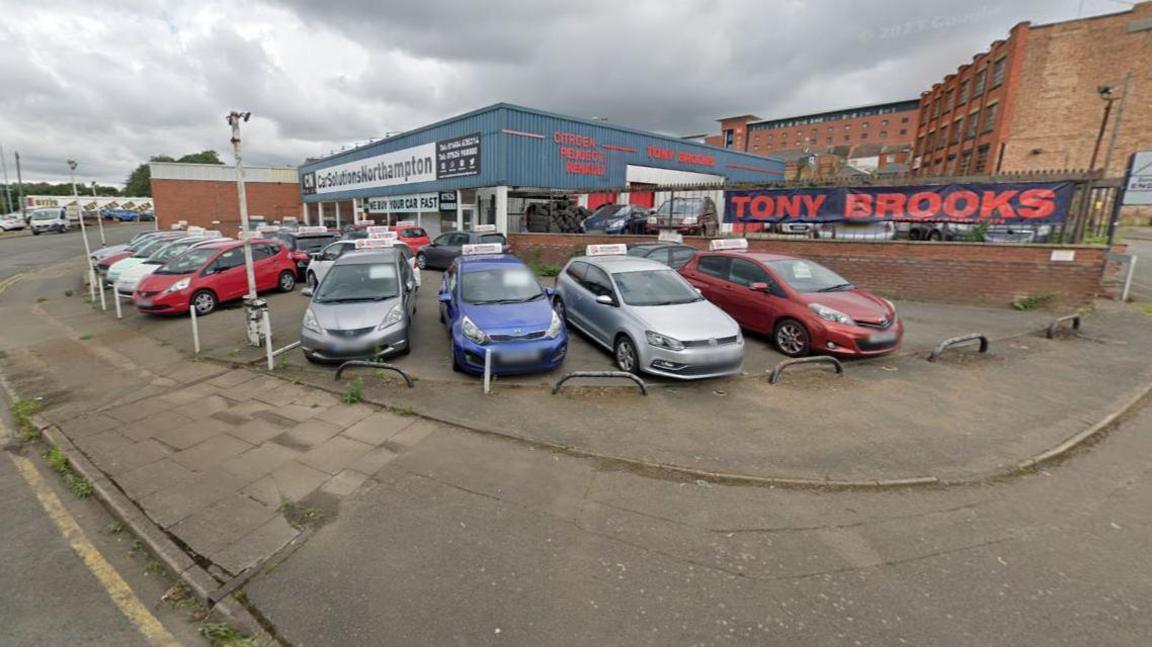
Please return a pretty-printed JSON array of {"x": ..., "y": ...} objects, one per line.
[
  {"x": 404, "y": 411},
  {"x": 1146, "y": 308},
  {"x": 355, "y": 392},
  {"x": 234, "y": 352},
  {"x": 1033, "y": 301},
  {"x": 153, "y": 567},
  {"x": 57, "y": 461},
  {"x": 114, "y": 528},
  {"x": 67, "y": 293},
  {"x": 137, "y": 546},
  {"x": 299, "y": 516},
  {"x": 221, "y": 634},
  {"x": 80, "y": 486},
  {"x": 22, "y": 411},
  {"x": 41, "y": 299},
  {"x": 85, "y": 337}
]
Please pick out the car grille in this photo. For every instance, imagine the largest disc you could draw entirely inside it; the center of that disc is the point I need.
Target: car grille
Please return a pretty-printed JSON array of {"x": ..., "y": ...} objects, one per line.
[
  {"x": 866, "y": 345},
  {"x": 145, "y": 295},
  {"x": 720, "y": 341},
  {"x": 523, "y": 337},
  {"x": 350, "y": 333},
  {"x": 882, "y": 324},
  {"x": 705, "y": 369}
]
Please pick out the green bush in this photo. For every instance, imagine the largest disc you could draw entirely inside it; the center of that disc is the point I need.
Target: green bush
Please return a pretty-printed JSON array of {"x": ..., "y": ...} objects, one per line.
[
  {"x": 355, "y": 392},
  {"x": 1032, "y": 302}
]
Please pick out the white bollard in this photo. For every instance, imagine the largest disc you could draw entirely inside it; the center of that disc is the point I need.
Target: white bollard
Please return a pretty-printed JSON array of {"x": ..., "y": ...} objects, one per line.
[
  {"x": 487, "y": 370},
  {"x": 116, "y": 297},
  {"x": 103, "y": 303},
  {"x": 92, "y": 286},
  {"x": 195, "y": 331},
  {"x": 268, "y": 339}
]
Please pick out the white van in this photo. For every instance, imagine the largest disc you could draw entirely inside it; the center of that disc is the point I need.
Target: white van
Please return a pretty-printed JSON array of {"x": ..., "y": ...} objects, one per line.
[{"x": 48, "y": 219}]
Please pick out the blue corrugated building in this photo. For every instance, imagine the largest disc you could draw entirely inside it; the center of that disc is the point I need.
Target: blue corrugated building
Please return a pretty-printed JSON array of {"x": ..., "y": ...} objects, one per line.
[{"x": 485, "y": 166}]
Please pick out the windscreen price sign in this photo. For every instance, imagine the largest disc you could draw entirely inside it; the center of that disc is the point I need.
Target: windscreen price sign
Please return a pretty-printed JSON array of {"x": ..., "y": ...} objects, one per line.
[{"x": 411, "y": 203}]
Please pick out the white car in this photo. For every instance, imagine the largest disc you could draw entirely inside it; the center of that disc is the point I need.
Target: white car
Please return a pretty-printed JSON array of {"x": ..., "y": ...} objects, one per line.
[
  {"x": 129, "y": 278},
  {"x": 11, "y": 222},
  {"x": 322, "y": 261}
]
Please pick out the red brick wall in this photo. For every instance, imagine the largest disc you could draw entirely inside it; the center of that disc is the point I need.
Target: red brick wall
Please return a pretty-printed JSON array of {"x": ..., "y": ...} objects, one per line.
[
  {"x": 200, "y": 202},
  {"x": 969, "y": 273}
]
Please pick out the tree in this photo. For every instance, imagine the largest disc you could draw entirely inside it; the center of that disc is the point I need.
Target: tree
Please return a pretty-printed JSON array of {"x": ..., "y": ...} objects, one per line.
[{"x": 139, "y": 182}]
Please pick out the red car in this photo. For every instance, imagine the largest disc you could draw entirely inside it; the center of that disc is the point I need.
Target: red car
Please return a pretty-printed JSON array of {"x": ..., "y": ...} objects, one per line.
[
  {"x": 412, "y": 236},
  {"x": 207, "y": 276},
  {"x": 804, "y": 306}
]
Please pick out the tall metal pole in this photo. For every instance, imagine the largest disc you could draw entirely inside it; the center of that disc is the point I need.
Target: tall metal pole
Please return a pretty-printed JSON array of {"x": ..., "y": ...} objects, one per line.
[
  {"x": 20, "y": 187},
  {"x": 234, "y": 119},
  {"x": 7, "y": 187},
  {"x": 83, "y": 232},
  {"x": 99, "y": 218},
  {"x": 1116, "y": 122},
  {"x": 1100, "y": 135}
]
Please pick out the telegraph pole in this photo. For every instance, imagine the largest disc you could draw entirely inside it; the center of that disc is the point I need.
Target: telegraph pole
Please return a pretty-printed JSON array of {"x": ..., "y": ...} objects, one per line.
[
  {"x": 20, "y": 186},
  {"x": 83, "y": 233},
  {"x": 99, "y": 218},
  {"x": 7, "y": 187},
  {"x": 255, "y": 307}
]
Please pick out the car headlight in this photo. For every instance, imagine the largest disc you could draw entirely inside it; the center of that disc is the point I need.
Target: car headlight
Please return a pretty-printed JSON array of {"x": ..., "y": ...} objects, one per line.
[
  {"x": 472, "y": 332},
  {"x": 663, "y": 341},
  {"x": 394, "y": 316},
  {"x": 690, "y": 220},
  {"x": 182, "y": 284},
  {"x": 311, "y": 322},
  {"x": 554, "y": 327},
  {"x": 1044, "y": 230},
  {"x": 824, "y": 312},
  {"x": 890, "y": 305}
]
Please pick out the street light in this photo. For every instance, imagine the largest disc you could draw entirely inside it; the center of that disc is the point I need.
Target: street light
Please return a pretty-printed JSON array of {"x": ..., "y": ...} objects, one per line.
[
  {"x": 99, "y": 218},
  {"x": 84, "y": 234},
  {"x": 1105, "y": 92},
  {"x": 255, "y": 307}
]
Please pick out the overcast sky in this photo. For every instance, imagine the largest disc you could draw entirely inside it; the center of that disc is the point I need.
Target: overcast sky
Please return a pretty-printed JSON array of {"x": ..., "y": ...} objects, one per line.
[{"x": 110, "y": 83}]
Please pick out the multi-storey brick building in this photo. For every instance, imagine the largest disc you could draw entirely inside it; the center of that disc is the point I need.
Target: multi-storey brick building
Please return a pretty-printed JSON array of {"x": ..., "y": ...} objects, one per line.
[
  {"x": 881, "y": 131},
  {"x": 1032, "y": 101}
]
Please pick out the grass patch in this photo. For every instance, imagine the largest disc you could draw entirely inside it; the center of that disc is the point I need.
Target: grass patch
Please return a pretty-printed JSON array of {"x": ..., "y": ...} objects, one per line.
[
  {"x": 68, "y": 293},
  {"x": 222, "y": 634},
  {"x": 545, "y": 270},
  {"x": 81, "y": 487},
  {"x": 234, "y": 352},
  {"x": 85, "y": 337},
  {"x": 1146, "y": 308},
  {"x": 355, "y": 392},
  {"x": 41, "y": 299},
  {"x": 1032, "y": 302},
  {"x": 154, "y": 567},
  {"x": 1095, "y": 239},
  {"x": 404, "y": 411},
  {"x": 114, "y": 528},
  {"x": 57, "y": 460},
  {"x": 22, "y": 411}
]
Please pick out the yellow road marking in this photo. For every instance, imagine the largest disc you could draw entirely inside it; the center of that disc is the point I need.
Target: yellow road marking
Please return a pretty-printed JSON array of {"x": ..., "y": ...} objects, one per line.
[
  {"x": 117, "y": 588},
  {"x": 9, "y": 281}
]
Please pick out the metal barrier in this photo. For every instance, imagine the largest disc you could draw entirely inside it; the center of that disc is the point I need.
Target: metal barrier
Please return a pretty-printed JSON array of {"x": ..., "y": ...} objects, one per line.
[
  {"x": 1055, "y": 325},
  {"x": 944, "y": 345},
  {"x": 376, "y": 365},
  {"x": 618, "y": 374},
  {"x": 778, "y": 370}
]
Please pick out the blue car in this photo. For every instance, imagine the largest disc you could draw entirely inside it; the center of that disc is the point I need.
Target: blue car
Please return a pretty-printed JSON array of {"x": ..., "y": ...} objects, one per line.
[
  {"x": 617, "y": 219},
  {"x": 493, "y": 303}
]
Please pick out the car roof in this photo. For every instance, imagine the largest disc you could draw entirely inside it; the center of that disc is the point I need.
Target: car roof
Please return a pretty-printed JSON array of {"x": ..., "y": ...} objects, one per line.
[
  {"x": 367, "y": 257},
  {"x": 614, "y": 264},
  {"x": 763, "y": 257},
  {"x": 308, "y": 235},
  {"x": 486, "y": 261},
  {"x": 659, "y": 244}
]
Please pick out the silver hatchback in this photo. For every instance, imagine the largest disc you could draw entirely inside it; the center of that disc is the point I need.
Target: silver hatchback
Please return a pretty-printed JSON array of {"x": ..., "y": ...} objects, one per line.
[
  {"x": 362, "y": 308},
  {"x": 649, "y": 317}
]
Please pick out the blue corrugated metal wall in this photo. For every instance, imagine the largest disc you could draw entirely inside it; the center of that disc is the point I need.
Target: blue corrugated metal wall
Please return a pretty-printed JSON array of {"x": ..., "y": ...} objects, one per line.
[{"x": 519, "y": 147}]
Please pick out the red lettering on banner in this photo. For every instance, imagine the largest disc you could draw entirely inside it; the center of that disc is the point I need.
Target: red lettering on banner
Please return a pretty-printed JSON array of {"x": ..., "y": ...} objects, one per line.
[
  {"x": 1037, "y": 203},
  {"x": 889, "y": 204},
  {"x": 762, "y": 206},
  {"x": 952, "y": 208},
  {"x": 998, "y": 203},
  {"x": 788, "y": 206},
  {"x": 812, "y": 204},
  {"x": 572, "y": 139},
  {"x": 740, "y": 202},
  {"x": 857, "y": 205},
  {"x": 583, "y": 168},
  {"x": 697, "y": 159},
  {"x": 915, "y": 208},
  {"x": 657, "y": 153}
]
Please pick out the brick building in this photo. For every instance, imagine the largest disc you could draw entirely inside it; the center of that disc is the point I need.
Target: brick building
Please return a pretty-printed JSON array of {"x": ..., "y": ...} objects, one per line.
[
  {"x": 205, "y": 194},
  {"x": 868, "y": 138},
  {"x": 1031, "y": 101}
]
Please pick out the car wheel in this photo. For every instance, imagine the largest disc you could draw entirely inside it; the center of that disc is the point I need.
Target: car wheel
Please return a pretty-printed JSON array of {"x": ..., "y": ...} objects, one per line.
[
  {"x": 204, "y": 301},
  {"x": 421, "y": 261},
  {"x": 287, "y": 281},
  {"x": 558, "y": 306},
  {"x": 935, "y": 235},
  {"x": 625, "y": 354},
  {"x": 311, "y": 280},
  {"x": 35, "y": 233},
  {"x": 455, "y": 365},
  {"x": 791, "y": 338},
  {"x": 311, "y": 358}
]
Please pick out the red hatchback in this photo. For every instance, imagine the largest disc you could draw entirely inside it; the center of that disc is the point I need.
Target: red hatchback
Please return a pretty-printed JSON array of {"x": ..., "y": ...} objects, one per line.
[
  {"x": 412, "y": 236},
  {"x": 207, "y": 276},
  {"x": 804, "y": 306}
]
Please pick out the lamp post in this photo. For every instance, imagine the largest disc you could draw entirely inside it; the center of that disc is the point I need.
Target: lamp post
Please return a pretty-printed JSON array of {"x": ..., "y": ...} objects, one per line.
[
  {"x": 83, "y": 233},
  {"x": 99, "y": 218},
  {"x": 255, "y": 307},
  {"x": 1105, "y": 92}
]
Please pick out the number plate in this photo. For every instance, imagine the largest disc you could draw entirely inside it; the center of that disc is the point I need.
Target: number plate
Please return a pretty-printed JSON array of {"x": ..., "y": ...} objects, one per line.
[
  {"x": 887, "y": 335},
  {"x": 516, "y": 356},
  {"x": 144, "y": 303}
]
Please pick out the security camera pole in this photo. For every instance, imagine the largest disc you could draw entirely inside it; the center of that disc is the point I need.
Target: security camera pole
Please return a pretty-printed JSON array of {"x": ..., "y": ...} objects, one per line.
[
  {"x": 83, "y": 233},
  {"x": 99, "y": 218},
  {"x": 254, "y": 305},
  {"x": 8, "y": 206}
]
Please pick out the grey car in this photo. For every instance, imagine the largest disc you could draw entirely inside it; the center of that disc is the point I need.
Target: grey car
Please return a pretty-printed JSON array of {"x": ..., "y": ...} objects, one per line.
[
  {"x": 362, "y": 309},
  {"x": 444, "y": 249},
  {"x": 649, "y": 317}
]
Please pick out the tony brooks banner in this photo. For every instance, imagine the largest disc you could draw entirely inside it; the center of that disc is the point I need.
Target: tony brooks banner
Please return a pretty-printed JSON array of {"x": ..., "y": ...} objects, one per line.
[
  {"x": 456, "y": 157},
  {"x": 1030, "y": 202}
]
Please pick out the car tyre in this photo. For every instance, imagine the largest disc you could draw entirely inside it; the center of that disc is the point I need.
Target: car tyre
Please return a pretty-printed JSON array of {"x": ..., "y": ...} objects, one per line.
[
  {"x": 421, "y": 261},
  {"x": 311, "y": 358},
  {"x": 561, "y": 310},
  {"x": 791, "y": 338},
  {"x": 311, "y": 281},
  {"x": 455, "y": 365},
  {"x": 286, "y": 282},
  {"x": 204, "y": 301},
  {"x": 624, "y": 353},
  {"x": 35, "y": 233},
  {"x": 934, "y": 235}
]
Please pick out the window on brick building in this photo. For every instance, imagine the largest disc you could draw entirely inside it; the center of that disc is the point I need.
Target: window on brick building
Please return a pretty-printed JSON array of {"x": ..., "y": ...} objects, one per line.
[
  {"x": 957, "y": 130},
  {"x": 847, "y": 138},
  {"x": 904, "y": 120},
  {"x": 942, "y": 137},
  {"x": 998, "y": 71},
  {"x": 863, "y": 135},
  {"x": 883, "y": 134},
  {"x": 936, "y": 108},
  {"x": 951, "y": 165},
  {"x": 963, "y": 96},
  {"x": 883, "y": 122},
  {"x": 981, "y": 79},
  {"x": 829, "y": 140},
  {"x": 903, "y": 131},
  {"x": 973, "y": 124},
  {"x": 981, "y": 158},
  {"x": 990, "y": 117},
  {"x": 728, "y": 139},
  {"x": 965, "y": 162},
  {"x": 948, "y": 102}
]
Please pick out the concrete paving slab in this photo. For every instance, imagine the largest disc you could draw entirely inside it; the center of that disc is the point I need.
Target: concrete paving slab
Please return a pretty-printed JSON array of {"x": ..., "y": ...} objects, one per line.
[
  {"x": 89, "y": 425},
  {"x": 175, "y": 503},
  {"x": 204, "y": 407},
  {"x": 138, "y": 410},
  {"x": 344, "y": 483},
  {"x": 129, "y": 457},
  {"x": 415, "y": 433},
  {"x": 153, "y": 477},
  {"x": 149, "y": 427},
  {"x": 300, "y": 413},
  {"x": 222, "y": 524},
  {"x": 103, "y": 442},
  {"x": 232, "y": 378},
  {"x": 378, "y": 427},
  {"x": 213, "y": 452},
  {"x": 335, "y": 454},
  {"x": 307, "y": 434},
  {"x": 347, "y": 415},
  {"x": 259, "y": 461},
  {"x": 282, "y": 395},
  {"x": 292, "y": 481},
  {"x": 257, "y": 545},
  {"x": 257, "y": 431},
  {"x": 374, "y": 461},
  {"x": 189, "y": 394},
  {"x": 191, "y": 433}
]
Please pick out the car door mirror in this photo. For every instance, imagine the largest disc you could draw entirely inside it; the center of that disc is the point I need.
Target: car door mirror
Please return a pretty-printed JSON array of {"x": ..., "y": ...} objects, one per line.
[
  {"x": 549, "y": 292},
  {"x": 605, "y": 299},
  {"x": 759, "y": 286},
  {"x": 445, "y": 297},
  {"x": 306, "y": 292},
  {"x": 410, "y": 285}
]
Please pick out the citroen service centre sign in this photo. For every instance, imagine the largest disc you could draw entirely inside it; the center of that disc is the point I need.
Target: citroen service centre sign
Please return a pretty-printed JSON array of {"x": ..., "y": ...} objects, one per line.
[{"x": 1138, "y": 190}]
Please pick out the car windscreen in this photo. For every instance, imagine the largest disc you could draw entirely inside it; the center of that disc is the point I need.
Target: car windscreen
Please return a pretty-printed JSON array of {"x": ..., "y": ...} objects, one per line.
[
  {"x": 492, "y": 238},
  {"x": 188, "y": 262},
  {"x": 413, "y": 232},
  {"x": 311, "y": 244},
  {"x": 610, "y": 211},
  {"x": 358, "y": 282},
  {"x": 44, "y": 215},
  {"x": 682, "y": 206},
  {"x": 654, "y": 288},
  {"x": 500, "y": 285},
  {"x": 806, "y": 276},
  {"x": 169, "y": 251},
  {"x": 144, "y": 250}
]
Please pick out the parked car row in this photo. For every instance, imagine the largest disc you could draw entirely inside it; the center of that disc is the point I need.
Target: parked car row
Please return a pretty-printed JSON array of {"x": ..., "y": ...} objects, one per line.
[{"x": 693, "y": 216}]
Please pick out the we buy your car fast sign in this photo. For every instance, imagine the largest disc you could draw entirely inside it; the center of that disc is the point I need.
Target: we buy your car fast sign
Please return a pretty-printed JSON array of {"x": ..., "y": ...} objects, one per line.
[{"x": 1031, "y": 202}]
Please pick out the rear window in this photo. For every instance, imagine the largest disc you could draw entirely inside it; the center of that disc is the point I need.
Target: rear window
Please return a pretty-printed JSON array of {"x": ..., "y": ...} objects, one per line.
[
  {"x": 715, "y": 266},
  {"x": 492, "y": 238},
  {"x": 414, "y": 232}
]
